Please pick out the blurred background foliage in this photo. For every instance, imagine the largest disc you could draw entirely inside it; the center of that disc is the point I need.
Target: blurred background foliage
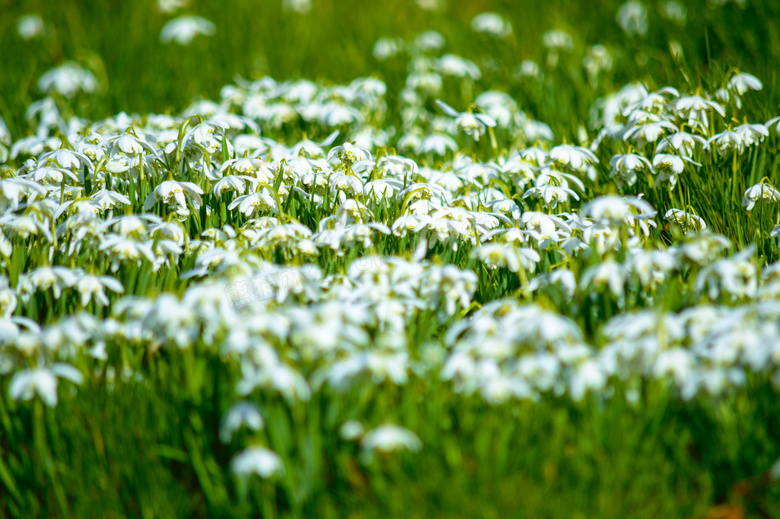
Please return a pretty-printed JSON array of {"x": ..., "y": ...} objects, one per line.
[{"x": 119, "y": 41}]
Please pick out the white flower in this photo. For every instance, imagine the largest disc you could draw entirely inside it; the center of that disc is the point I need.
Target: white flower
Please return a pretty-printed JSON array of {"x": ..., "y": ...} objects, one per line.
[
  {"x": 297, "y": 6},
  {"x": 506, "y": 255},
  {"x": 30, "y": 26},
  {"x": 260, "y": 201},
  {"x": 430, "y": 5},
  {"x": 67, "y": 79},
  {"x": 170, "y": 6},
  {"x": 437, "y": 144},
  {"x": 471, "y": 124},
  {"x": 607, "y": 273},
  {"x": 550, "y": 194},
  {"x": 615, "y": 209},
  {"x": 42, "y": 382},
  {"x": 759, "y": 193},
  {"x": 452, "y": 65},
  {"x": 632, "y": 18},
  {"x": 183, "y": 29},
  {"x": 668, "y": 166},
  {"x": 351, "y": 430},
  {"x": 742, "y": 82},
  {"x": 386, "y": 48},
  {"x": 683, "y": 143},
  {"x": 349, "y": 153},
  {"x": 429, "y": 41},
  {"x": 173, "y": 193},
  {"x": 389, "y": 438},
  {"x": 589, "y": 375},
  {"x": 575, "y": 157},
  {"x": 240, "y": 414},
  {"x": 94, "y": 286},
  {"x": 625, "y": 167},
  {"x": 257, "y": 460},
  {"x": 493, "y": 24},
  {"x": 684, "y": 219},
  {"x": 106, "y": 199},
  {"x": 558, "y": 40},
  {"x": 674, "y": 11}
]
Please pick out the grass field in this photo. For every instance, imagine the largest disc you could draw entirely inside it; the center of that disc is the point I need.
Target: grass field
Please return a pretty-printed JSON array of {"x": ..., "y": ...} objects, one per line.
[{"x": 412, "y": 258}]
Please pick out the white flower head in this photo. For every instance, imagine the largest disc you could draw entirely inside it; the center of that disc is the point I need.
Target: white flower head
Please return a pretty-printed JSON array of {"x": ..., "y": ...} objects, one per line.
[
  {"x": 389, "y": 438},
  {"x": 762, "y": 193},
  {"x": 30, "y": 26},
  {"x": 42, "y": 382},
  {"x": 68, "y": 79},
  {"x": 470, "y": 123},
  {"x": 297, "y": 6},
  {"x": 184, "y": 29},
  {"x": 632, "y": 18},
  {"x": 257, "y": 460},
  {"x": 493, "y": 24},
  {"x": 242, "y": 414}
]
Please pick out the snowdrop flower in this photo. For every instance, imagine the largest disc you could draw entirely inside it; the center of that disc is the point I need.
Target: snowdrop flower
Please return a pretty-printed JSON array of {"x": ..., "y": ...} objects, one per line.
[
  {"x": 240, "y": 414},
  {"x": 760, "y": 193},
  {"x": 651, "y": 267},
  {"x": 674, "y": 11},
  {"x": 455, "y": 66},
  {"x": 257, "y": 460},
  {"x": 471, "y": 124},
  {"x": 438, "y": 144},
  {"x": 430, "y": 5},
  {"x": 30, "y": 26},
  {"x": 42, "y": 382},
  {"x": 607, "y": 273},
  {"x": 528, "y": 68},
  {"x": 625, "y": 167},
  {"x": 248, "y": 166},
  {"x": 598, "y": 59},
  {"x": 105, "y": 199},
  {"x": 632, "y": 18},
  {"x": 668, "y": 166},
  {"x": 505, "y": 255},
  {"x": 649, "y": 132},
  {"x": 297, "y": 6},
  {"x": 184, "y": 29},
  {"x": 558, "y": 40},
  {"x": 235, "y": 183},
  {"x": 590, "y": 375},
  {"x": 386, "y": 48},
  {"x": 737, "y": 276},
  {"x": 429, "y": 41},
  {"x": 389, "y": 438},
  {"x": 493, "y": 24},
  {"x": 171, "y": 6},
  {"x": 614, "y": 210},
  {"x": 349, "y": 153},
  {"x": 575, "y": 157},
  {"x": 173, "y": 193},
  {"x": 67, "y": 80},
  {"x": 752, "y": 133},
  {"x": 683, "y": 143},
  {"x": 685, "y": 220},
  {"x": 94, "y": 286},
  {"x": 741, "y": 83},
  {"x": 550, "y": 194},
  {"x": 351, "y": 430},
  {"x": 735, "y": 140}
]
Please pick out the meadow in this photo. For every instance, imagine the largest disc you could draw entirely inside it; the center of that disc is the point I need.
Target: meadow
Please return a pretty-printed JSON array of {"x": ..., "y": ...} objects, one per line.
[{"x": 411, "y": 258}]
